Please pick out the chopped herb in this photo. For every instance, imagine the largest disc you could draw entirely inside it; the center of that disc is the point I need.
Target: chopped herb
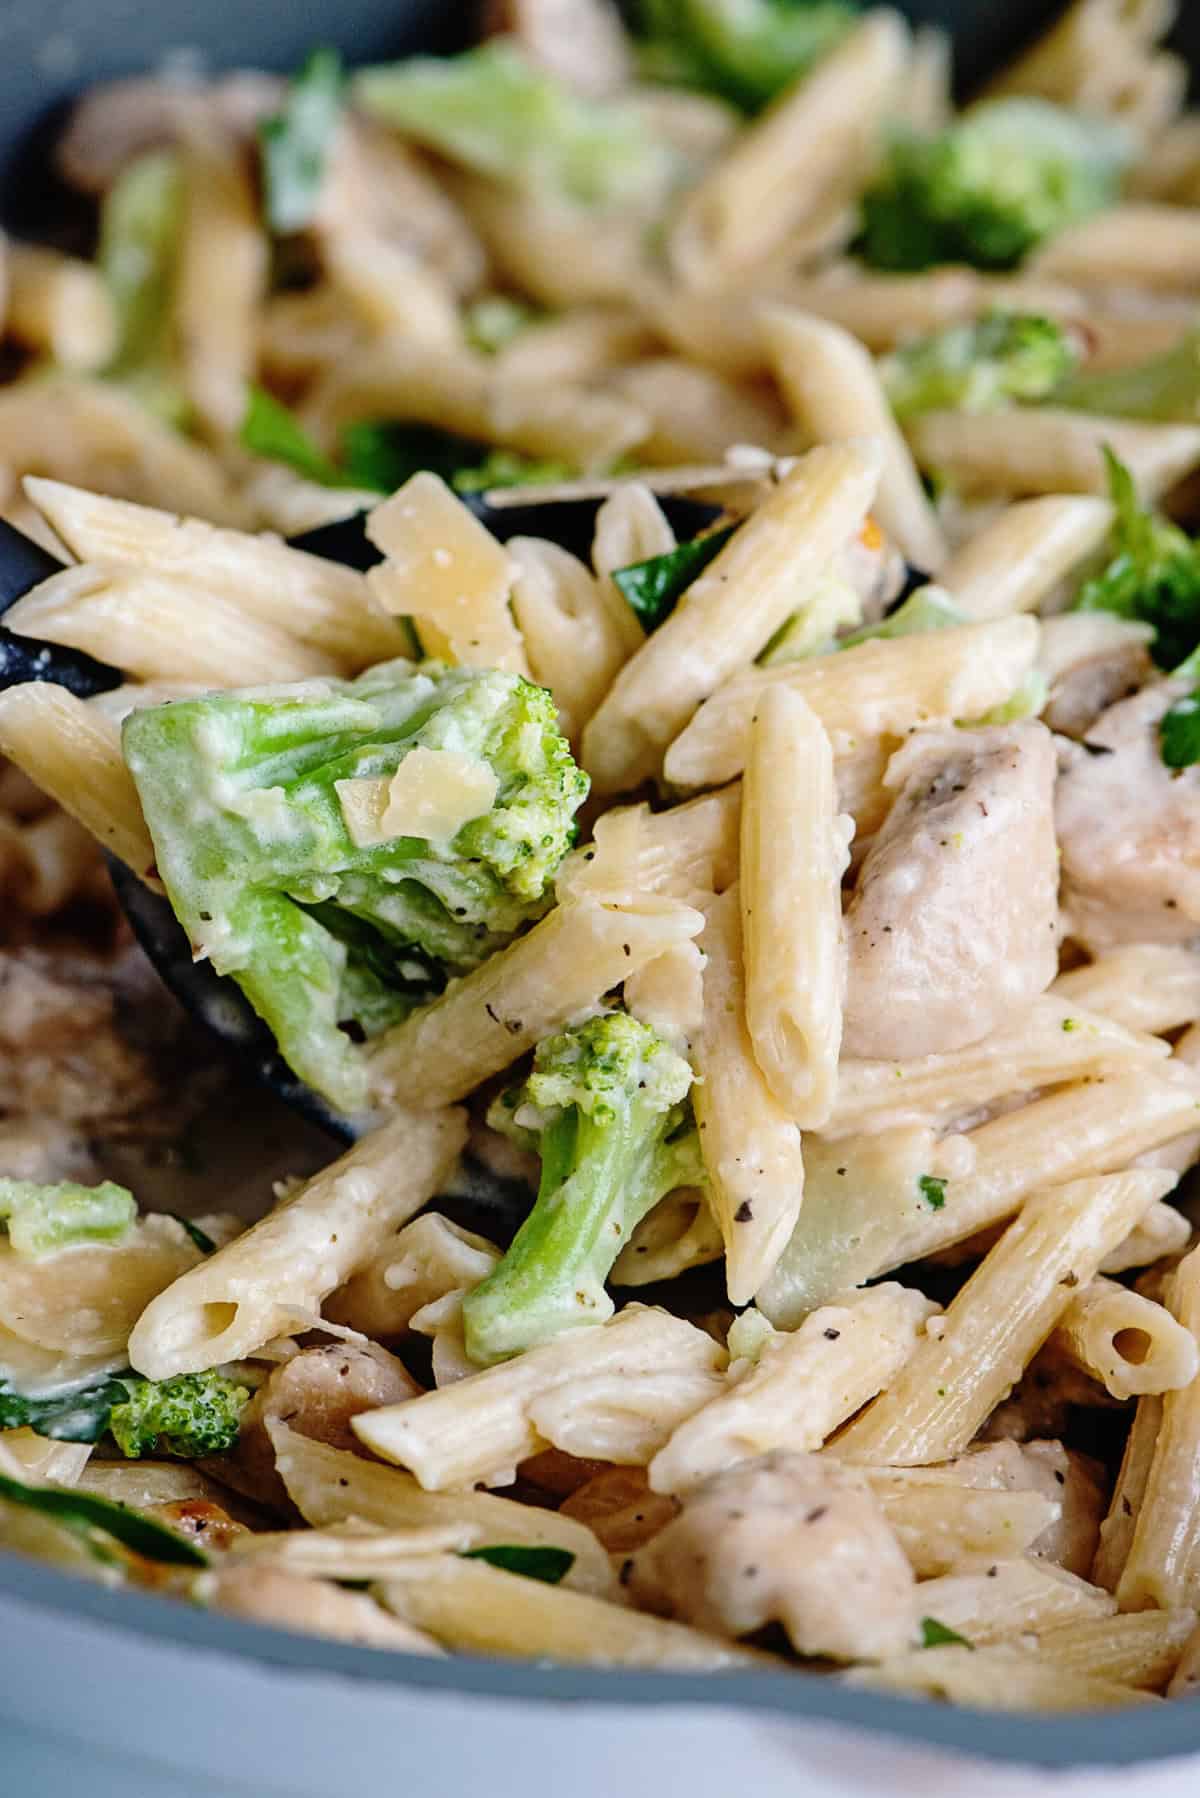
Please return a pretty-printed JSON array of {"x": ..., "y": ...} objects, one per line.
[
  {"x": 297, "y": 140},
  {"x": 654, "y": 587},
  {"x": 932, "y": 1190},
  {"x": 80, "y": 1415},
  {"x": 492, "y": 321},
  {"x": 1070, "y": 1023},
  {"x": 201, "y": 1238},
  {"x": 509, "y": 468},
  {"x": 1179, "y": 732},
  {"x": 549, "y": 1565},
  {"x": 98, "y": 1522},
  {"x": 938, "y": 1635}
]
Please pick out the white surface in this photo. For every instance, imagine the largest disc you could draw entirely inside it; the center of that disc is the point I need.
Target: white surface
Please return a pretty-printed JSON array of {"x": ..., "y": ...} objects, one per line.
[{"x": 93, "y": 1699}]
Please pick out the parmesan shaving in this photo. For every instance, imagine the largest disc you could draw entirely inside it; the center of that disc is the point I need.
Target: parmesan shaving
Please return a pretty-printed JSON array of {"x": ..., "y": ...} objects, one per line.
[{"x": 432, "y": 794}]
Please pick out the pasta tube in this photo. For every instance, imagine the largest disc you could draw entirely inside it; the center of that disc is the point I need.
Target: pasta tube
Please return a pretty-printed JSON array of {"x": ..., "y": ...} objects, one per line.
[{"x": 272, "y": 1280}]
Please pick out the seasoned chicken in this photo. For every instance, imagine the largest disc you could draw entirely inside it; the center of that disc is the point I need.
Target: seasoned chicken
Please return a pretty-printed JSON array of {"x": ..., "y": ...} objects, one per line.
[
  {"x": 1129, "y": 830},
  {"x": 952, "y": 928},
  {"x": 794, "y": 1539},
  {"x": 317, "y": 1392}
]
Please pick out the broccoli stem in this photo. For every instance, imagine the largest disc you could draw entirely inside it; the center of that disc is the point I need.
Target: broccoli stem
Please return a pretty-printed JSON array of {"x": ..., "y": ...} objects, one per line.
[{"x": 599, "y": 1179}]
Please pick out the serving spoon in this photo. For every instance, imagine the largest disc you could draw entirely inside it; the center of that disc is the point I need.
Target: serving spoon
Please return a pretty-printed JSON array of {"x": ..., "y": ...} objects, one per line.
[{"x": 215, "y": 1000}]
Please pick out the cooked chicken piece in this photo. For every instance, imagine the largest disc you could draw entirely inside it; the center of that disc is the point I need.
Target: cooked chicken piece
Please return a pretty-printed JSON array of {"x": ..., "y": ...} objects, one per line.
[
  {"x": 45, "y": 1150},
  {"x": 619, "y": 1507},
  {"x": 312, "y": 1606},
  {"x": 952, "y": 928},
  {"x": 581, "y": 41},
  {"x": 1129, "y": 830},
  {"x": 317, "y": 1392},
  {"x": 1079, "y": 1485},
  {"x": 1091, "y": 686},
  {"x": 121, "y": 120},
  {"x": 204, "y": 1522},
  {"x": 794, "y": 1539}
]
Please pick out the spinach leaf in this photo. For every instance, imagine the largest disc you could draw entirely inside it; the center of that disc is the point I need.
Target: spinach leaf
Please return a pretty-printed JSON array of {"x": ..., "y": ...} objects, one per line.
[
  {"x": 1179, "y": 732},
  {"x": 937, "y": 1635},
  {"x": 93, "y": 1519},
  {"x": 654, "y": 587},
  {"x": 201, "y": 1238},
  {"x": 78, "y": 1416},
  {"x": 546, "y": 1564},
  {"x": 269, "y": 429}
]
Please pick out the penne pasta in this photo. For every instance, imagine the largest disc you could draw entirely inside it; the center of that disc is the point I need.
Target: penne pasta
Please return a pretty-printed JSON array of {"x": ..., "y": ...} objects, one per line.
[
  {"x": 1146, "y": 245},
  {"x": 751, "y": 1147},
  {"x": 999, "y": 1320},
  {"x": 484, "y": 1425},
  {"x": 1151, "y": 987},
  {"x": 1012, "y": 1598},
  {"x": 804, "y": 1385},
  {"x": 1055, "y": 1042},
  {"x": 1118, "y": 1526},
  {"x": 944, "y": 1527},
  {"x": 1140, "y": 1648},
  {"x": 322, "y": 603},
  {"x": 732, "y": 610},
  {"x": 331, "y": 1487},
  {"x": 572, "y": 642},
  {"x": 1041, "y": 450},
  {"x": 72, "y": 750},
  {"x": 816, "y": 141},
  {"x": 833, "y": 391},
  {"x": 485, "y": 1021},
  {"x": 60, "y": 306},
  {"x": 1015, "y": 563},
  {"x": 221, "y": 280},
  {"x": 482, "y": 1610},
  {"x": 273, "y": 1279},
  {"x": 163, "y": 627},
  {"x": 879, "y": 688},
  {"x": 1128, "y": 1343},
  {"x": 1163, "y": 1563},
  {"x": 793, "y": 856},
  {"x": 998, "y": 1678}
]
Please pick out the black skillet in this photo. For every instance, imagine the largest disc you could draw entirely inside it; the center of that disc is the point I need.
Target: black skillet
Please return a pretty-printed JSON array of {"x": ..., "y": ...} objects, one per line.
[{"x": 218, "y": 1002}]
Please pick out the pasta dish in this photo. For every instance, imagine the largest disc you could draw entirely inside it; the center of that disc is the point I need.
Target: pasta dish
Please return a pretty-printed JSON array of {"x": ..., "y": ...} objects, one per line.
[{"x": 723, "y": 843}]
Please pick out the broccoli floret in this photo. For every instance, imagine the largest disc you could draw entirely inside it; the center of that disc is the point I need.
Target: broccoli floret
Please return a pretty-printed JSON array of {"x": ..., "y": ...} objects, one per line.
[
  {"x": 41, "y": 1220},
  {"x": 141, "y": 223},
  {"x": 272, "y": 817},
  {"x": 745, "y": 50},
  {"x": 509, "y": 468},
  {"x": 1164, "y": 389},
  {"x": 606, "y": 1106},
  {"x": 192, "y": 1414},
  {"x": 927, "y": 609},
  {"x": 988, "y": 189},
  {"x": 980, "y": 367},
  {"x": 494, "y": 110},
  {"x": 1152, "y": 573}
]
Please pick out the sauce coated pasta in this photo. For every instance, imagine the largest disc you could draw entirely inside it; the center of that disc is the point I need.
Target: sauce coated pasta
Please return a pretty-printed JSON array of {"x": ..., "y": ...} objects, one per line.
[{"x": 728, "y": 852}]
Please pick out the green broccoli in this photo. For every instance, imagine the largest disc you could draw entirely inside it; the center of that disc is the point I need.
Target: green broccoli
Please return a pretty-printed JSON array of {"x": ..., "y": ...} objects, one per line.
[
  {"x": 989, "y": 188},
  {"x": 190, "y": 1415},
  {"x": 927, "y": 608},
  {"x": 747, "y": 51},
  {"x": 41, "y": 1220},
  {"x": 1152, "y": 573},
  {"x": 606, "y": 1106},
  {"x": 327, "y": 921},
  {"x": 495, "y": 111},
  {"x": 1164, "y": 389},
  {"x": 980, "y": 367},
  {"x": 141, "y": 223}
]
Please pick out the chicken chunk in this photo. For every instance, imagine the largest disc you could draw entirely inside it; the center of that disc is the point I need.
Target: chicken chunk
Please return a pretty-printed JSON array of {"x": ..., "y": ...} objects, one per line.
[
  {"x": 794, "y": 1539},
  {"x": 952, "y": 928},
  {"x": 1129, "y": 829},
  {"x": 317, "y": 1392}
]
